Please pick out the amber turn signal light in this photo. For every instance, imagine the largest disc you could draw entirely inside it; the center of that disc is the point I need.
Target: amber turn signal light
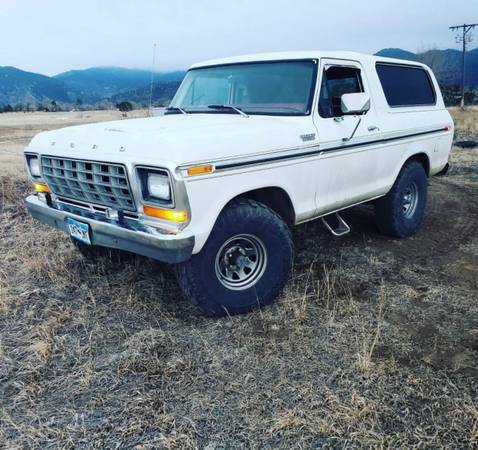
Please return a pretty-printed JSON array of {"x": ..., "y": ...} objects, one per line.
[
  {"x": 167, "y": 214},
  {"x": 40, "y": 187},
  {"x": 199, "y": 170}
]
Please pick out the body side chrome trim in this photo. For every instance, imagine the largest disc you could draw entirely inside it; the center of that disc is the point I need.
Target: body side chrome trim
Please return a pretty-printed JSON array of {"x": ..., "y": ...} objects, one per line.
[
  {"x": 232, "y": 165},
  {"x": 342, "y": 208},
  {"x": 233, "y": 159}
]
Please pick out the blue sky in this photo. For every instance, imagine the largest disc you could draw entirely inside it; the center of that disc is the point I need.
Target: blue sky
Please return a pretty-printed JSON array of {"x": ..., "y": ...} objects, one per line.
[{"x": 52, "y": 36}]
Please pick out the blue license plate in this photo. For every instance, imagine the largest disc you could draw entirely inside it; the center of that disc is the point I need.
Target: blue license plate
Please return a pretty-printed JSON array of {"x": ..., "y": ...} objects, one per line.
[{"x": 79, "y": 230}]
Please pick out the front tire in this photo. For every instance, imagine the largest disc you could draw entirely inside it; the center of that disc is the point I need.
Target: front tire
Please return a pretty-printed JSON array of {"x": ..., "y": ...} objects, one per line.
[
  {"x": 244, "y": 264},
  {"x": 400, "y": 213}
]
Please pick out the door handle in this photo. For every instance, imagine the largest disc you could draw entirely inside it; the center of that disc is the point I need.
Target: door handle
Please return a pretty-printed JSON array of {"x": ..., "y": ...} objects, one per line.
[{"x": 373, "y": 128}]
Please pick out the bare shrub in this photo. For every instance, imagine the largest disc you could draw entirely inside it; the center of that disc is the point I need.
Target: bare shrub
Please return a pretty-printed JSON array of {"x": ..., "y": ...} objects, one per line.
[{"x": 13, "y": 189}]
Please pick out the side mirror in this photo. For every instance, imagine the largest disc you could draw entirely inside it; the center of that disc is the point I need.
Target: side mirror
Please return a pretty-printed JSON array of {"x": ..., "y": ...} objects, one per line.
[{"x": 356, "y": 103}]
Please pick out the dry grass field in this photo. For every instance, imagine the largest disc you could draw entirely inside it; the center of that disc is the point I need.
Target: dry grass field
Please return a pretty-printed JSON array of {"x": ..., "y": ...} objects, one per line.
[{"x": 374, "y": 343}]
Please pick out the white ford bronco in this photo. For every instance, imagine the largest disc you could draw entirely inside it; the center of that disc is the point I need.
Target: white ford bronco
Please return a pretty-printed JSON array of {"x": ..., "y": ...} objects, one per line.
[{"x": 248, "y": 147}]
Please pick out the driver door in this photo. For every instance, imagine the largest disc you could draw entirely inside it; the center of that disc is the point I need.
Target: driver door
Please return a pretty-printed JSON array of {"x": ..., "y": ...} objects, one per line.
[{"x": 347, "y": 169}]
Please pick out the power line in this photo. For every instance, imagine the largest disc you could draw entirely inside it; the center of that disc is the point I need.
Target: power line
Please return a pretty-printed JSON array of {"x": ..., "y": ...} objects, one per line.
[{"x": 465, "y": 37}]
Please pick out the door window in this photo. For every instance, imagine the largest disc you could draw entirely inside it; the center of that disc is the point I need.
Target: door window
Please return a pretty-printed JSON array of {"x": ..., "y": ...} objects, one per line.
[{"x": 336, "y": 81}]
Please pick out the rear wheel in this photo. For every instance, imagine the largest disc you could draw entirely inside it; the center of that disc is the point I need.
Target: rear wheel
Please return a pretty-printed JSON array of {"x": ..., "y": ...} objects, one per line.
[
  {"x": 243, "y": 265},
  {"x": 400, "y": 213}
]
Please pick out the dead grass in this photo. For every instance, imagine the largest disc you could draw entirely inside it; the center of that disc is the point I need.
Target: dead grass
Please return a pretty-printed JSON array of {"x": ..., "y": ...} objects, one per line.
[
  {"x": 373, "y": 343},
  {"x": 11, "y": 187},
  {"x": 368, "y": 344},
  {"x": 465, "y": 123}
]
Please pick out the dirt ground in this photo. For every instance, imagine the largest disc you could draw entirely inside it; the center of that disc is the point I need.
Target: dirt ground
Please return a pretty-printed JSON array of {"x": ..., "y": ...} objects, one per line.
[{"x": 373, "y": 343}]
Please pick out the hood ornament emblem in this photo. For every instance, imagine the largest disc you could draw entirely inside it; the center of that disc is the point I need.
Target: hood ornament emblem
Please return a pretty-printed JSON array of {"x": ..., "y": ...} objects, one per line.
[
  {"x": 122, "y": 149},
  {"x": 72, "y": 145}
]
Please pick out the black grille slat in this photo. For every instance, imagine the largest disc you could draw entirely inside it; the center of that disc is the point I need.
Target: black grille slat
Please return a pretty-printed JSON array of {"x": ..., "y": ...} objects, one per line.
[
  {"x": 99, "y": 183},
  {"x": 57, "y": 169}
]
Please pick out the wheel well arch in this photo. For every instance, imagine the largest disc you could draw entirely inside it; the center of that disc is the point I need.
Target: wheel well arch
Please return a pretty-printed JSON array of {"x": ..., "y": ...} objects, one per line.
[
  {"x": 275, "y": 198},
  {"x": 423, "y": 159}
]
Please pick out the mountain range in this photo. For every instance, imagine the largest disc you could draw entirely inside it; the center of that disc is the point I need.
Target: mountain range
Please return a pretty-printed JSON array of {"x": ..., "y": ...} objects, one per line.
[
  {"x": 18, "y": 86},
  {"x": 88, "y": 86},
  {"x": 98, "y": 83},
  {"x": 446, "y": 64},
  {"x": 114, "y": 84}
]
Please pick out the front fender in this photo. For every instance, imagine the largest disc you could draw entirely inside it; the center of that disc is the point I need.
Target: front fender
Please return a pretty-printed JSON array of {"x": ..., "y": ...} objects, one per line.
[{"x": 208, "y": 196}]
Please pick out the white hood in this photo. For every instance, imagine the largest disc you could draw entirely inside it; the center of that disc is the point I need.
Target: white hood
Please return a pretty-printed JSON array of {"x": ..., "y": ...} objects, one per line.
[{"x": 175, "y": 139}]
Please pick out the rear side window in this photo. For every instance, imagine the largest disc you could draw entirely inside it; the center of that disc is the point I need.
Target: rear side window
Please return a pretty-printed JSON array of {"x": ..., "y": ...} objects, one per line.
[{"x": 406, "y": 85}]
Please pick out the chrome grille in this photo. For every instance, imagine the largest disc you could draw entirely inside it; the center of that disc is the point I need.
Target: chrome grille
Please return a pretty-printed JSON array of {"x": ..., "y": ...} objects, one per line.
[{"x": 92, "y": 182}]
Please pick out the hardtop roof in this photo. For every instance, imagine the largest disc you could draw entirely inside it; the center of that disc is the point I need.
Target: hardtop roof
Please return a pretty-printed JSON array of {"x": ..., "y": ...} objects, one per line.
[{"x": 310, "y": 54}]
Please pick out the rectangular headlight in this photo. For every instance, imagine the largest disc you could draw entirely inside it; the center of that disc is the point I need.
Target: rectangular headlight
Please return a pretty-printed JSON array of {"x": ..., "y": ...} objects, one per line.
[
  {"x": 158, "y": 186},
  {"x": 33, "y": 165},
  {"x": 155, "y": 186}
]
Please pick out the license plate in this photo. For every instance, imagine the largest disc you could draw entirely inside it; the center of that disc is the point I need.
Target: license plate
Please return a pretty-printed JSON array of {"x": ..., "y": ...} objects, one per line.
[{"x": 79, "y": 230}]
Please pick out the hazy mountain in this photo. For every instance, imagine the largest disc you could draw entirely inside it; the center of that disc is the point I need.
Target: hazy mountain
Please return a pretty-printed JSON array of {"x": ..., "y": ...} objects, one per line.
[
  {"x": 98, "y": 83},
  {"x": 397, "y": 53},
  {"x": 446, "y": 64},
  {"x": 117, "y": 84},
  {"x": 18, "y": 86},
  {"x": 163, "y": 92}
]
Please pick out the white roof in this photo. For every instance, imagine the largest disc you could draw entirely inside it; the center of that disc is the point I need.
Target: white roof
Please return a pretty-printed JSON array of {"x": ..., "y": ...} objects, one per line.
[{"x": 309, "y": 54}]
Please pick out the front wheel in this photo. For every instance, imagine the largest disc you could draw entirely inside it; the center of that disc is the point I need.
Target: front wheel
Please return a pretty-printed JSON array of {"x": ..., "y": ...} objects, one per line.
[
  {"x": 400, "y": 213},
  {"x": 244, "y": 264}
]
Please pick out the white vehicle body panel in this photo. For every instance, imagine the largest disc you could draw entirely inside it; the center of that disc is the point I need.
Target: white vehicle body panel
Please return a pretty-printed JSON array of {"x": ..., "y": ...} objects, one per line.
[{"x": 320, "y": 174}]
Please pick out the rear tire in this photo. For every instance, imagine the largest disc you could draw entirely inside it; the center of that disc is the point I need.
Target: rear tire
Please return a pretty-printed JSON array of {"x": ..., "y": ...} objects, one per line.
[
  {"x": 244, "y": 264},
  {"x": 400, "y": 213}
]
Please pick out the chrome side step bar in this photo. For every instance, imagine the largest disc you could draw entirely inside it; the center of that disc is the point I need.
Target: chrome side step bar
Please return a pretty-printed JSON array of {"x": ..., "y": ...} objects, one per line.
[{"x": 338, "y": 227}]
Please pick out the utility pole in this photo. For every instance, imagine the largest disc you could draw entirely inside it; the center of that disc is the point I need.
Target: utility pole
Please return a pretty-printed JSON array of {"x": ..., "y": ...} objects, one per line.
[{"x": 464, "y": 38}]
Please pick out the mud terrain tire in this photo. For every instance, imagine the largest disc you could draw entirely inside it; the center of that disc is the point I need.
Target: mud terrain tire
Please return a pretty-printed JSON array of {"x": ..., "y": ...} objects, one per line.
[
  {"x": 400, "y": 213},
  {"x": 244, "y": 264}
]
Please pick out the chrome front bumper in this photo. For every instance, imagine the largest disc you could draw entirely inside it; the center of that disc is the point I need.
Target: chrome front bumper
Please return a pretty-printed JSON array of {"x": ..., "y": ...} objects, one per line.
[{"x": 169, "y": 248}]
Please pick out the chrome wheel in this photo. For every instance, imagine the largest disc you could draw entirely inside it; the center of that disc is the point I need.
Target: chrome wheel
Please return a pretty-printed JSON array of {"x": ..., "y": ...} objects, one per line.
[
  {"x": 410, "y": 200},
  {"x": 241, "y": 261}
]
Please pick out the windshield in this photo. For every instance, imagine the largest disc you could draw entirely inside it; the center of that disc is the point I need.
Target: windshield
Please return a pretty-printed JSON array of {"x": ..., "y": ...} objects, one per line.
[{"x": 283, "y": 88}]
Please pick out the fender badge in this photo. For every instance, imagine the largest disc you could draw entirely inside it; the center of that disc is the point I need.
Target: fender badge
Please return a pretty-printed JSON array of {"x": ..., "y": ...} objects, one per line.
[{"x": 307, "y": 137}]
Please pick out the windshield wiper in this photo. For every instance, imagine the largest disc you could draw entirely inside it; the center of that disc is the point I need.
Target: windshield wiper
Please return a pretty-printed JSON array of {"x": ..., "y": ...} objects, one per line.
[
  {"x": 230, "y": 107},
  {"x": 176, "y": 108}
]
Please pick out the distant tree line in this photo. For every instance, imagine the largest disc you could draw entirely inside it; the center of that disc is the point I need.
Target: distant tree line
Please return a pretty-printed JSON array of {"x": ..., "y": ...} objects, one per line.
[
  {"x": 451, "y": 97},
  {"x": 28, "y": 107},
  {"x": 54, "y": 106},
  {"x": 124, "y": 106}
]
